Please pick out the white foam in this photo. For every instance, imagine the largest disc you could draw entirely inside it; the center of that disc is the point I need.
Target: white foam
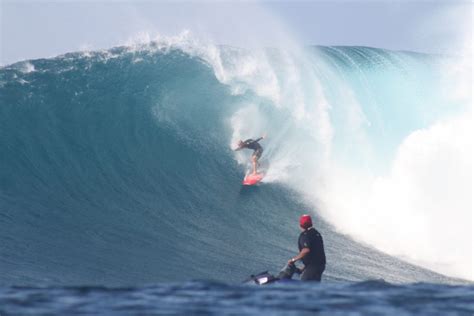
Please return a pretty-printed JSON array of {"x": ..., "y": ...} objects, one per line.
[
  {"x": 420, "y": 210},
  {"x": 27, "y": 67}
]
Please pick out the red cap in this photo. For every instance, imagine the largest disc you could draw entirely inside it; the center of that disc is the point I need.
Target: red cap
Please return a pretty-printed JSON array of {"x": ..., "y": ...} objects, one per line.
[{"x": 305, "y": 221}]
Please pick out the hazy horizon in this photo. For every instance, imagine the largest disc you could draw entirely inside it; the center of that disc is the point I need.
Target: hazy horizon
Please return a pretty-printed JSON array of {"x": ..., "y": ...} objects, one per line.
[{"x": 45, "y": 29}]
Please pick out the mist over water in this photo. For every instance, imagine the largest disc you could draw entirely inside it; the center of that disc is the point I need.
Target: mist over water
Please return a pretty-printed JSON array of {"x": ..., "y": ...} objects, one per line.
[{"x": 378, "y": 141}]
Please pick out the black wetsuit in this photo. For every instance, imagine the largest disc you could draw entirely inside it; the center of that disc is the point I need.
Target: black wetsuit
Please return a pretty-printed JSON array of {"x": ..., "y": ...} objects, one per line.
[
  {"x": 315, "y": 260},
  {"x": 255, "y": 146}
]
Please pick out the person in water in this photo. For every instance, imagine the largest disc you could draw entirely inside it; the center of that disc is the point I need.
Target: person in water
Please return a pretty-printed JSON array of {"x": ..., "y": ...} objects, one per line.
[
  {"x": 311, "y": 247},
  {"x": 256, "y": 147}
]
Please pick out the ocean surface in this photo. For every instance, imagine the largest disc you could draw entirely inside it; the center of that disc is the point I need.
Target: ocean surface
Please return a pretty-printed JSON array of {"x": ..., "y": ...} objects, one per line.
[
  {"x": 119, "y": 185},
  {"x": 211, "y": 298}
]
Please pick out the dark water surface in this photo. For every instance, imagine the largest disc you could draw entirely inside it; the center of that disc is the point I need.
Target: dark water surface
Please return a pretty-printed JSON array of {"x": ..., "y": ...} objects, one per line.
[{"x": 202, "y": 298}]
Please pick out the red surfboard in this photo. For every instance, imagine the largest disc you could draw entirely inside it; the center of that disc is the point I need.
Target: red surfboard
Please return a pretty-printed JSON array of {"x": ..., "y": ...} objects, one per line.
[{"x": 252, "y": 179}]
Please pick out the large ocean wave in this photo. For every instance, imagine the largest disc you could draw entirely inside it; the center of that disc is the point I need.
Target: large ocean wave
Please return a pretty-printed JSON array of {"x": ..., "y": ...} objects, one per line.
[{"x": 117, "y": 166}]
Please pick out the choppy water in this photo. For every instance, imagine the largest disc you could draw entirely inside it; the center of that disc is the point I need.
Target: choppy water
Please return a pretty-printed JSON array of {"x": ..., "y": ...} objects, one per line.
[{"x": 205, "y": 298}]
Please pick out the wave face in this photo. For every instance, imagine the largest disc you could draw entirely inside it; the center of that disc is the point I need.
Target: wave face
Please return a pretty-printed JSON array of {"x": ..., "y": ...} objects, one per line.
[{"x": 117, "y": 166}]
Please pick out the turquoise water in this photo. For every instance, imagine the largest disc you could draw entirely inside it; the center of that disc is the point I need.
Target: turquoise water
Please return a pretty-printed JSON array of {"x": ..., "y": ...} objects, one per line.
[{"x": 117, "y": 167}]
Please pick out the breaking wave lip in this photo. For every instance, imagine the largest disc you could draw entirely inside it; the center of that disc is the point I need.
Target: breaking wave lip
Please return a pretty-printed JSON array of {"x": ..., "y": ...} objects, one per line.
[
  {"x": 293, "y": 96},
  {"x": 296, "y": 83}
]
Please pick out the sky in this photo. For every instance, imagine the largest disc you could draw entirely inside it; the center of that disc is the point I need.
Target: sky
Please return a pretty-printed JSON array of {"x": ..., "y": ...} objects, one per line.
[{"x": 39, "y": 29}]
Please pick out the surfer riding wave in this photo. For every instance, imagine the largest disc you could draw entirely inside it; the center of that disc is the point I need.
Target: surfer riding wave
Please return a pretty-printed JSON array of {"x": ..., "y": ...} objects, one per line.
[{"x": 255, "y": 146}]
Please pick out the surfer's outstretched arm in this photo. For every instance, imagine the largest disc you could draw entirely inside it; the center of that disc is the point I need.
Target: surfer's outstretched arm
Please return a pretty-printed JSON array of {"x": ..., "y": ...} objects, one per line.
[
  {"x": 241, "y": 145},
  {"x": 260, "y": 138},
  {"x": 252, "y": 141}
]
